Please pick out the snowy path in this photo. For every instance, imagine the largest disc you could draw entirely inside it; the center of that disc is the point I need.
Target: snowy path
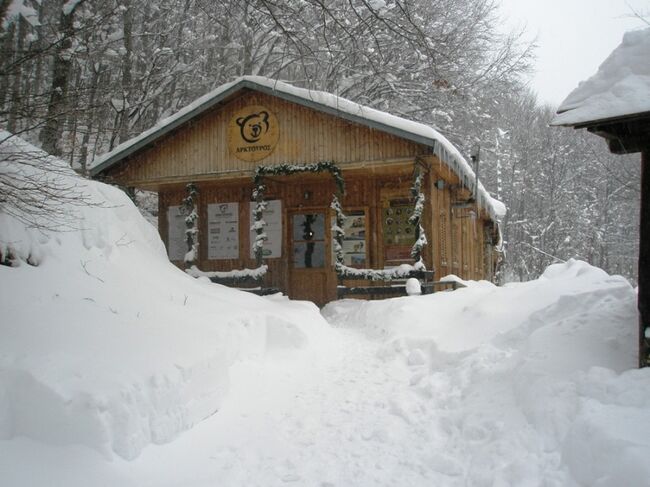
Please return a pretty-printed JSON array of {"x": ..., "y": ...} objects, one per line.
[
  {"x": 352, "y": 413},
  {"x": 335, "y": 420},
  {"x": 345, "y": 412}
]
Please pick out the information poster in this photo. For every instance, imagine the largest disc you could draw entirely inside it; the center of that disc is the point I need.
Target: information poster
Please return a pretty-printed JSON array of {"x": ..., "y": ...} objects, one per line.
[
  {"x": 397, "y": 229},
  {"x": 273, "y": 229},
  {"x": 354, "y": 241},
  {"x": 223, "y": 231},
  {"x": 399, "y": 234},
  {"x": 176, "y": 243}
]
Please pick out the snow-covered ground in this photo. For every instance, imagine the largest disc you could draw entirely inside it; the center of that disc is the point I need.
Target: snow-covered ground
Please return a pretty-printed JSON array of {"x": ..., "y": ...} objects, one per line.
[{"x": 118, "y": 369}]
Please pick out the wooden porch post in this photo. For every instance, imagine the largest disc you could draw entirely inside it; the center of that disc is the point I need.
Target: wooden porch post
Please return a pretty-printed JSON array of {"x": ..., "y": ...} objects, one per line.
[{"x": 644, "y": 261}]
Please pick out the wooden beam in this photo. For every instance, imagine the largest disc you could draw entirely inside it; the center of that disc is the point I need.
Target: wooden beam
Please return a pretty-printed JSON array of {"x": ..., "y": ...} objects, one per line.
[
  {"x": 624, "y": 137},
  {"x": 644, "y": 261}
]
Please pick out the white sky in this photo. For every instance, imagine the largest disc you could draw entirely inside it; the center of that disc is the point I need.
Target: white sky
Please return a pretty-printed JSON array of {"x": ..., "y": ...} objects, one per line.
[{"x": 573, "y": 36}]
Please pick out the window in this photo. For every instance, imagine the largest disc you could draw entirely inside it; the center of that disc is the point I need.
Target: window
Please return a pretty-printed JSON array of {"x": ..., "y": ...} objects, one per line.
[{"x": 308, "y": 231}]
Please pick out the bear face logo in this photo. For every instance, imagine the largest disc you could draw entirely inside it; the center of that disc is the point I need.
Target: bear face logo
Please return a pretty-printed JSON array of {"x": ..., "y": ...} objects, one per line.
[
  {"x": 253, "y": 126},
  {"x": 253, "y": 133}
]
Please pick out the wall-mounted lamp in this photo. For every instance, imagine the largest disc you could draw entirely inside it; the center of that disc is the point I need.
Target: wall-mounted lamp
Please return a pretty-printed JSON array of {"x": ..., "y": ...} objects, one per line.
[{"x": 307, "y": 195}]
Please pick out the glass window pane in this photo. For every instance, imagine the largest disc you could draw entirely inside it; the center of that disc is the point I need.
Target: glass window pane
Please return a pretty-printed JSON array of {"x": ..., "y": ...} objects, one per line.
[
  {"x": 309, "y": 226},
  {"x": 308, "y": 254}
]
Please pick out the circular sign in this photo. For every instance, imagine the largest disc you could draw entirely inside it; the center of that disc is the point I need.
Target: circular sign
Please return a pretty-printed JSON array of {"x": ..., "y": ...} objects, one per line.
[{"x": 253, "y": 133}]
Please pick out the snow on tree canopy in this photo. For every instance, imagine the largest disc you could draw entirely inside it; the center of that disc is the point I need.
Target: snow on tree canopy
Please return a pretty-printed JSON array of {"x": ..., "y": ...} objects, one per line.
[
  {"x": 621, "y": 86},
  {"x": 17, "y": 9},
  {"x": 319, "y": 100}
]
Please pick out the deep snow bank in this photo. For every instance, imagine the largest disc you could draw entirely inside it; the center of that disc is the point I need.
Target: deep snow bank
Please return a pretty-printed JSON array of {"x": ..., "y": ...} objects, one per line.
[
  {"x": 105, "y": 343},
  {"x": 528, "y": 384}
]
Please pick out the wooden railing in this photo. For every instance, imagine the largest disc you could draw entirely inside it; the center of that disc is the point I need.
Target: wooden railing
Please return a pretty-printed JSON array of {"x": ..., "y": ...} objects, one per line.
[{"x": 395, "y": 287}]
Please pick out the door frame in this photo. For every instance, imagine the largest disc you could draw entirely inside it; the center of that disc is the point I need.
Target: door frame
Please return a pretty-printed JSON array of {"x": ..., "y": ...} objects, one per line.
[{"x": 325, "y": 271}]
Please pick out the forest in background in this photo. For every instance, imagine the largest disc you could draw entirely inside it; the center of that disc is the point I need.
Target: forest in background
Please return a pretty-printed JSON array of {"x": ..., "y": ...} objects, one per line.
[{"x": 79, "y": 77}]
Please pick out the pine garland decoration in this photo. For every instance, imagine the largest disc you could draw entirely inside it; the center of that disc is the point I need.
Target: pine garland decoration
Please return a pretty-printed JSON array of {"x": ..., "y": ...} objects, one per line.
[
  {"x": 416, "y": 217},
  {"x": 189, "y": 208},
  {"x": 401, "y": 272},
  {"x": 284, "y": 169},
  {"x": 259, "y": 223},
  {"x": 337, "y": 231}
]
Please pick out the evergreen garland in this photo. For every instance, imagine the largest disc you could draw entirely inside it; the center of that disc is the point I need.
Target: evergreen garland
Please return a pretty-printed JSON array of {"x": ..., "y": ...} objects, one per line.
[
  {"x": 337, "y": 231},
  {"x": 259, "y": 223},
  {"x": 189, "y": 209},
  {"x": 416, "y": 217},
  {"x": 401, "y": 272},
  {"x": 285, "y": 169}
]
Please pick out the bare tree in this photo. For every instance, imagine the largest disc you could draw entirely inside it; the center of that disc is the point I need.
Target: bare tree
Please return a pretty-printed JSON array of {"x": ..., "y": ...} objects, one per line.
[
  {"x": 58, "y": 106},
  {"x": 38, "y": 189}
]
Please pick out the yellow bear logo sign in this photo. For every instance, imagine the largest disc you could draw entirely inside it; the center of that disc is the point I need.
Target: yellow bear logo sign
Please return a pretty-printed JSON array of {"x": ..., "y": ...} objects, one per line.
[
  {"x": 253, "y": 133},
  {"x": 254, "y": 126}
]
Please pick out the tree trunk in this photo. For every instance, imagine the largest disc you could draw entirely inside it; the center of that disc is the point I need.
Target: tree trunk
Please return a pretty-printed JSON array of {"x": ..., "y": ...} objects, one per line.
[
  {"x": 50, "y": 136},
  {"x": 4, "y": 7},
  {"x": 7, "y": 56},
  {"x": 127, "y": 66},
  {"x": 16, "y": 106},
  {"x": 90, "y": 116}
]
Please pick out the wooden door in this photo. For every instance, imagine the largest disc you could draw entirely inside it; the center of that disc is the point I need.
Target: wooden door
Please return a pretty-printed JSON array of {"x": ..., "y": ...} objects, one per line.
[{"x": 309, "y": 265}]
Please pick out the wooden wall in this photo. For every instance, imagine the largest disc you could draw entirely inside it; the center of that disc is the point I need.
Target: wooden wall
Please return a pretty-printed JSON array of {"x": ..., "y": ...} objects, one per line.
[
  {"x": 456, "y": 238},
  {"x": 378, "y": 168},
  {"x": 200, "y": 150}
]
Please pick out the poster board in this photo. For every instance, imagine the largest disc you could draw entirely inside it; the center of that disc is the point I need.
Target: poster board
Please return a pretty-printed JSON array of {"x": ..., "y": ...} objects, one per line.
[
  {"x": 354, "y": 242},
  {"x": 176, "y": 244},
  {"x": 396, "y": 226},
  {"x": 223, "y": 231},
  {"x": 273, "y": 229},
  {"x": 398, "y": 233}
]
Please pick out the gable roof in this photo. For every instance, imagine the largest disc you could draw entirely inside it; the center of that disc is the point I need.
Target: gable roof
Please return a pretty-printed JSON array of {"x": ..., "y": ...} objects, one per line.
[
  {"x": 620, "y": 88},
  {"x": 317, "y": 100}
]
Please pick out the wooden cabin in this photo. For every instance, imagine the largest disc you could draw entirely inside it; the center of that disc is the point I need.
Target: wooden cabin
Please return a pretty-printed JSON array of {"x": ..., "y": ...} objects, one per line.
[{"x": 254, "y": 124}]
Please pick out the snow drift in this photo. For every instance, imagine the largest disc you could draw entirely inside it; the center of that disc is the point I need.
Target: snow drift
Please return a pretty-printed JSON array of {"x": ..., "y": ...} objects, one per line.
[
  {"x": 106, "y": 348},
  {"x": 525, "y": 384},
  {"x": 105, "y": 343}
]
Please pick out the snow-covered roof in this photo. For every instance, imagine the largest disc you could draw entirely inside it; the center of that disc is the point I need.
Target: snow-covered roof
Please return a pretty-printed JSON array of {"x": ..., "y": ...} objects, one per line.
[
  {"x": 620, "y": 88},
  {"x": 318, "y": 100}
]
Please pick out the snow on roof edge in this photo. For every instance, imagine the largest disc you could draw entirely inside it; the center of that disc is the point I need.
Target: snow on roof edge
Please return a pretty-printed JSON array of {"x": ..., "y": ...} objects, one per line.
[
  {"x": 619, "y": 89},
  {"x": 442, "y": 147}
]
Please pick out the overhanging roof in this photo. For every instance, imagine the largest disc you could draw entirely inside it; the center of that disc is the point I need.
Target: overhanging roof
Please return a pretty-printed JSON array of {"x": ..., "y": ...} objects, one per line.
[
  {"x": 316, "y": 100},
  {"x": 619, "y": 89}
]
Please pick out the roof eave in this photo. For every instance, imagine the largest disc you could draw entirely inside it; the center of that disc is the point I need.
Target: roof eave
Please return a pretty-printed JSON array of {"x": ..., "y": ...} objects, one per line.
[
  {"x": 164, "y": 130},
  {"x": 604, "y": 121}
]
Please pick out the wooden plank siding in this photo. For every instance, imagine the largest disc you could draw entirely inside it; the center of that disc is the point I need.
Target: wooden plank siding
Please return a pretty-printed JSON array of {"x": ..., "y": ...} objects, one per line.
[
  {"x": 362, "y": 193},
  {"x": 199, "y": 150},
  {"x": 377, "y": 167}
]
